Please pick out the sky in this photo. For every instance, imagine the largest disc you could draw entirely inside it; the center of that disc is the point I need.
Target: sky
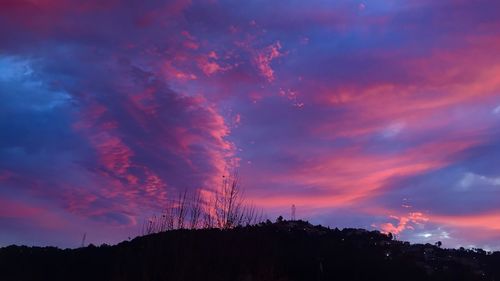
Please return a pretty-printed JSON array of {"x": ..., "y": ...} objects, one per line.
[{"x": 378, "y": 114}]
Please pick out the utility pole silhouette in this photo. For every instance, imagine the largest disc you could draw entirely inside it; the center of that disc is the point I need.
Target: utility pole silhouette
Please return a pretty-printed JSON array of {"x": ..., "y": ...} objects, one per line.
[
  {"x": 293, "y": 212},
  {"x": 83, "y": 240}
]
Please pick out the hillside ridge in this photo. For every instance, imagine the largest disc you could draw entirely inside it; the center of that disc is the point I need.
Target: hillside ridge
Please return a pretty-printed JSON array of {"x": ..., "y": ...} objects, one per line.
[{"x": 284, "y": 250}]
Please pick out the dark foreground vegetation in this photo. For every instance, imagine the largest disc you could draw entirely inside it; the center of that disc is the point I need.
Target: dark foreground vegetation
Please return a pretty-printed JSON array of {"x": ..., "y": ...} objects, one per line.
[{"x": 285, "y": 250}]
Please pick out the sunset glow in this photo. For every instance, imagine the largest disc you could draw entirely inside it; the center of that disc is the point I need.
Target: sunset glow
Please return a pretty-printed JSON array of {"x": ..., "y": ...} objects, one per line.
[{"x": 374, "y": 114}]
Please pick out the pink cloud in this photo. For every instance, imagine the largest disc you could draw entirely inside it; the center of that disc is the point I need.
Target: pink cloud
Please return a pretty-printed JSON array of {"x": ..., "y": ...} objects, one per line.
[
  {"x": 407, "y": 222},
  {"x": 17, "y": 209},
  {"x": 264, "y": 57}
]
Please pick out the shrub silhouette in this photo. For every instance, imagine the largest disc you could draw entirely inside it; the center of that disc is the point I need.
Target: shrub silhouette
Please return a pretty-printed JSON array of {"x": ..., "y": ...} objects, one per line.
[{"x": 225, "y": 209}]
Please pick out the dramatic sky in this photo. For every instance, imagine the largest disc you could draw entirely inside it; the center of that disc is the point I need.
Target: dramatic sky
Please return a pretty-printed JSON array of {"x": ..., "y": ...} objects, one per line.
[{"x": 381, "y": 114}]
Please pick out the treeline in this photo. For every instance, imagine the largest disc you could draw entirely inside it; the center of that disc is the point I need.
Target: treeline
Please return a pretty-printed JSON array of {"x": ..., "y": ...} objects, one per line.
[
  {"x": 224, "y": 209},
  {"x": 281, "y": 251}
]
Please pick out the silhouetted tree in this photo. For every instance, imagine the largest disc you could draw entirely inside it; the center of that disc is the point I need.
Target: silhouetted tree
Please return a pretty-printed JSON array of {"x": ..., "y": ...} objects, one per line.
[{"x": 228, "y": 202}]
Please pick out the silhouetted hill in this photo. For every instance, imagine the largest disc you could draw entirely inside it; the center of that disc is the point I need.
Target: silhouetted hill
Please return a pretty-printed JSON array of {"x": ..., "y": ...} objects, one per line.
[{"x": 287, "y": 250}]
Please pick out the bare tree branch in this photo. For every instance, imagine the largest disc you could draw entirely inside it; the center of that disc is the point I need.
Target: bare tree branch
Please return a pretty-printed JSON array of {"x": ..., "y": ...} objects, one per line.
[
  {"x": 195, "y": 210},
  {"x": 225, "y": 209}
]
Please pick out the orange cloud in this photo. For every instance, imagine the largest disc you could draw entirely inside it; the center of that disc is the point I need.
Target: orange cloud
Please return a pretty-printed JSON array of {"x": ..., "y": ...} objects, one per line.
[
  {"x": 404, "y": 223},
  {"x": 483, "y": 221}
]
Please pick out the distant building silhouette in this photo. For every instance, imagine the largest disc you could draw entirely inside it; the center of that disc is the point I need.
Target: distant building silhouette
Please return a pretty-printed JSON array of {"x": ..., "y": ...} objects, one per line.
[{"x": 293, "y": 212}]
